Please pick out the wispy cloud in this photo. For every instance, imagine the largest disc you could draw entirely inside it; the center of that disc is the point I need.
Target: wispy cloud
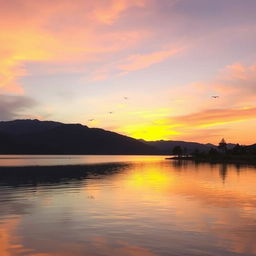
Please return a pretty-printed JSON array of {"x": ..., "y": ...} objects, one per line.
[
  {"x": 44, "y": 31},
  {"x": 213, "y": 117},
  {"x": 235, "y": 84},
  {"x": 109, "y": 11},
  {"x": 12, "y": 107},
  {"x": 141, "y": 61}
]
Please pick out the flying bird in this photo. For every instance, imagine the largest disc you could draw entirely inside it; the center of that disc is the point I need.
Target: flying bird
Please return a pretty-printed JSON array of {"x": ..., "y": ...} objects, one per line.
[
  {"x": 126, "y": 98},
  {"x": 90, "y": 120},
  {"x": 215, "y": 96},
  {"x": 110, "y": 112}
]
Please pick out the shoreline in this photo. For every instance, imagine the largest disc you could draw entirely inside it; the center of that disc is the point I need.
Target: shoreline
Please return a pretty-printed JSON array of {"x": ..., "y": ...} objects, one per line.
[{"x": 214, "y": 161}]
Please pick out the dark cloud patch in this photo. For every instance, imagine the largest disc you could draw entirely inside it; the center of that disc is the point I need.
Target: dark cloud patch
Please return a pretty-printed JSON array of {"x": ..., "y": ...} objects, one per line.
[{"x": 12, "y": 107}]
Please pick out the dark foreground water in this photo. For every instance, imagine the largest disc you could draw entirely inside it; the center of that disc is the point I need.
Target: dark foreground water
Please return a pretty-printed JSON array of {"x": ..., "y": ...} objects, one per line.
[{"x": 125, "y": 206}]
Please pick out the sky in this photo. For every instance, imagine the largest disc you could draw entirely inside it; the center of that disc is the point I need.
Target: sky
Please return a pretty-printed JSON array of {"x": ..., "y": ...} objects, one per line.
[{"x": 154, "y": 64}]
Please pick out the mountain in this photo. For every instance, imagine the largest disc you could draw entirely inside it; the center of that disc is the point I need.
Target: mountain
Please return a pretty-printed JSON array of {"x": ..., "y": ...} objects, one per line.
[
  {"x": 19, "y": 127},
  {"x": 166, "y": 146},
  {"x": 250, "y": 148},
  {"x": 48, "y": 137}
]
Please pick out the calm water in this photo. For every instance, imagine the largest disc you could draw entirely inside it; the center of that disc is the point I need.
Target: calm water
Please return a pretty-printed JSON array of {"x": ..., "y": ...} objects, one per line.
[{"x": 125, "y": 206}]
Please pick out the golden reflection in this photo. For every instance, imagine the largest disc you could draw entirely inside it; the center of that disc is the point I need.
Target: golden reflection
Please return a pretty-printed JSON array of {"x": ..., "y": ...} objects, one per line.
[
  {"x": 216, "y": 199},
  {"x": 171, "y": 198},
  {"x": 8, "y": 243},
  {"x": 12, "y": 245},
  {"x": 150, "y": 178}
]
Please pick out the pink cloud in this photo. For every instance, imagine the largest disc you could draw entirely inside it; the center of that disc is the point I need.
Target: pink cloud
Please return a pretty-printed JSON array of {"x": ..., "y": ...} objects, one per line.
[
  {"x": 141, "y": 61},
  {"x": 212, "y": 117},
  {"x": 55, "y": 31},
  {"x": 111, "y": 10},
  {"x": 234, "y": 84}
]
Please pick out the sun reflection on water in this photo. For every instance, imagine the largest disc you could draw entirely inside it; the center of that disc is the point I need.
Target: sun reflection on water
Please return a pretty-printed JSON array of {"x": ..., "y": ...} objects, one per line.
[{"x": 148, "y": 208}]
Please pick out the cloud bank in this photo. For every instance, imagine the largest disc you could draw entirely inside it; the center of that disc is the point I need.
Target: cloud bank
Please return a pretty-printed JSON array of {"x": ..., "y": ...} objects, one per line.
[{"x": 12, "y": 107}]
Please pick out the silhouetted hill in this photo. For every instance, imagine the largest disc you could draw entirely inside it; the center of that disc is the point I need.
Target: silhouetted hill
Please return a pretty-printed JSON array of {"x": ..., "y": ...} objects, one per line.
[
  {"x": 47, "y": 137},
  {"x": 17, "y": 127},
  {"x": 250, "y": 148},
  {"x": 253, "y": 146},
  {"x": 166, "y": 146}
]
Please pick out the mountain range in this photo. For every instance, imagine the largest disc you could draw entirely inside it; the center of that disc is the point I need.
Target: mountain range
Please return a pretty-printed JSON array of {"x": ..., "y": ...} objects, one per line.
[
  {"x": 49, "y": 137},
  {"x": 166, "y": 146}
]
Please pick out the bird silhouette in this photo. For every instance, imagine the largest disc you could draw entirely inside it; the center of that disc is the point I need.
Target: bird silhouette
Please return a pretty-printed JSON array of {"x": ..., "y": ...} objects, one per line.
[
  {"x": 126, "y": 98},
  {"x": 110, "y": 112},
  {"x": 90, "y": 120},
  {"x": 215, "y": 96}
]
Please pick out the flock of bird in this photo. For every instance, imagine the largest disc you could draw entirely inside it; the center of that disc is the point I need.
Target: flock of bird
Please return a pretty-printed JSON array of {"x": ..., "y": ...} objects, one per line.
[{"x": 126, "y": 98}]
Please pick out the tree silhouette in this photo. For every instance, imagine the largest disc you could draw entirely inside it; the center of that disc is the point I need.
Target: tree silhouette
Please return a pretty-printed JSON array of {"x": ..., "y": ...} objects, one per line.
[
  {"x": 238, "y": 150},
  {"x": 177, "y": 150},
  {"x": 185, "y": 151},
  {"x": 223, "y": 146},
  {"x": 213, "y": 152}
]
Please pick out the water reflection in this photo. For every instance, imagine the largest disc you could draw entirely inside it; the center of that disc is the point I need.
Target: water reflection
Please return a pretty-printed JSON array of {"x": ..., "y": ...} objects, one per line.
[
  {"x": 62, "y": 160},
  {"x": 141, "y": 208},
  {"x": 52, "y": 175}
]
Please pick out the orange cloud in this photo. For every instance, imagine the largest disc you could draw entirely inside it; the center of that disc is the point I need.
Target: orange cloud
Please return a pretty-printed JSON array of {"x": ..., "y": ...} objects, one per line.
[
  {"x": 212, "y": 117},
  {"x": 112, "y": 9},
  {"x": 47, "y": 31},
  {"x": 141, "y": 61},
  {"x": 235, "y": 85},
  {"x": 234, "y": 71},
  {"x": 205, "y": 126},
  {"x": 20, "y": 47}
]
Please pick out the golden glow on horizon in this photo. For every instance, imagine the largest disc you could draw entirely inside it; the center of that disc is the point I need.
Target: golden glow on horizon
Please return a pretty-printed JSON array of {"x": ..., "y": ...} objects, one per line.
[
  {"x": 150, "y": 132},
  {"x": 46, "y": 51}
]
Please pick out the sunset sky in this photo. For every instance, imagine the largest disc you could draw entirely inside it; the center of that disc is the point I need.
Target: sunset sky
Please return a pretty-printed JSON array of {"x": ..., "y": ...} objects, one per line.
[{"x": 154, "y": 63}]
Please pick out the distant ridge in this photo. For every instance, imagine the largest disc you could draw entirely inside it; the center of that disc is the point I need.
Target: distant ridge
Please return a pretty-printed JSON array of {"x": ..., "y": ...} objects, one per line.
[
  {"x": 166, "y": 146},
  {"x": 49, "y": 137},
  {"x": 25, "y": 126},
  {"x": 26, "y": 136}
]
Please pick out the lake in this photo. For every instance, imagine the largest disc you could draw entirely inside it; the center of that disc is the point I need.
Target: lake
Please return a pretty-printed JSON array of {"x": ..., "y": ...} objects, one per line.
[{"x": 125, "y": 206}]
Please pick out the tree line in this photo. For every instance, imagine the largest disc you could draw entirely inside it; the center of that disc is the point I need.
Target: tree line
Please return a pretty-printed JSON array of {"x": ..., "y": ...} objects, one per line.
[{"x": 220, "y": 153}]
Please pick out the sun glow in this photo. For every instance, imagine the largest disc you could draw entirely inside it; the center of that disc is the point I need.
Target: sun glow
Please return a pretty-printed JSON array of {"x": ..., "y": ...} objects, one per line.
[{"x": 151, "y": 132}]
